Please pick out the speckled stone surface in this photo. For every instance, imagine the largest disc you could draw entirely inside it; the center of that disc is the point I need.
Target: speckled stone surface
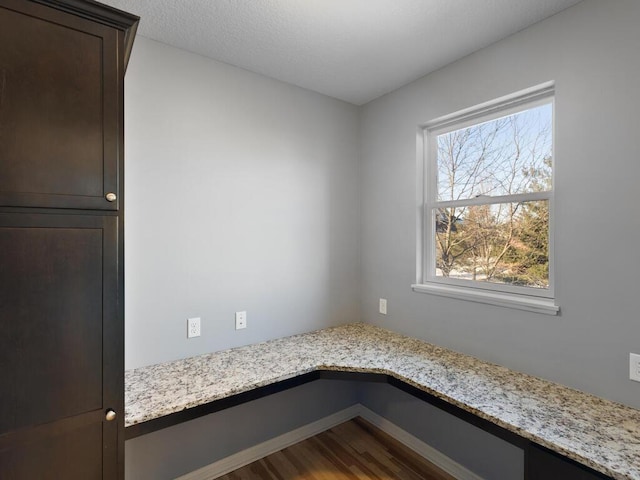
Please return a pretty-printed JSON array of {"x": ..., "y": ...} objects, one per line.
[{"x": 595, "y": 432}]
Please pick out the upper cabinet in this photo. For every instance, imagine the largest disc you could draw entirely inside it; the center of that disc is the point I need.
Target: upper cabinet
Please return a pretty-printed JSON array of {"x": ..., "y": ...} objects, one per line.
[{"x": 61, "y": 105}]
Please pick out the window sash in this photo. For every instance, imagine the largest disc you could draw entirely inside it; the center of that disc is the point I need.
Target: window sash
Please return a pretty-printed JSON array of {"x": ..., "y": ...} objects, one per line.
[
  {"x": 429, "y": 221},
  {"x": 430, "y": 138}
]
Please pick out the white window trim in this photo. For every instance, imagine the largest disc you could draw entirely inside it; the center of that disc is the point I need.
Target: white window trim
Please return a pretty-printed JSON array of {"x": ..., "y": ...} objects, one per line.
[
  {"x": 523, "y": 298},
  {"x": 501, "y": 299}
]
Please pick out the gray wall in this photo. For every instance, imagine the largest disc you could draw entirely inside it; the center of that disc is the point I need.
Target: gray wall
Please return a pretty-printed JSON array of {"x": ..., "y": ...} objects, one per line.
[
  {"x": 185, "y": 447},
  {"x": 242, "y": 194},
  {"x": 591, "y": 52}
]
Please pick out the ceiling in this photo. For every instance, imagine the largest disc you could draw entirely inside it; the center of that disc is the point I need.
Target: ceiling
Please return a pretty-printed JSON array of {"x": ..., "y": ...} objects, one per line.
[{"x": 353, "y": 50}]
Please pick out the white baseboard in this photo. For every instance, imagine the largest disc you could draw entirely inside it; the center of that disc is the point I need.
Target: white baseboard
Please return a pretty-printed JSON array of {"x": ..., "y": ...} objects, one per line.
[
  {"x": 436, "y": 457},
  {"x": 245, "y": 457}
]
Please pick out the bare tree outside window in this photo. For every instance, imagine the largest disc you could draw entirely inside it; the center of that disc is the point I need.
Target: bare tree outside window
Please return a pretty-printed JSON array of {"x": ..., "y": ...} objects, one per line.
[{"x": 490, "y": 224}]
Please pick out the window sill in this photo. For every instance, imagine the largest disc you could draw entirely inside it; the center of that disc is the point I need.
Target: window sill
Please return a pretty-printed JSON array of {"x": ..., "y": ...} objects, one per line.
[{"x": 546, "y": 306}]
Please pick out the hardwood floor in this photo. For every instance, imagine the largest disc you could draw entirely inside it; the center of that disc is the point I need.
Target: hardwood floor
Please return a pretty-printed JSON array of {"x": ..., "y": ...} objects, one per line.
[{"x": 355, "y": 450}]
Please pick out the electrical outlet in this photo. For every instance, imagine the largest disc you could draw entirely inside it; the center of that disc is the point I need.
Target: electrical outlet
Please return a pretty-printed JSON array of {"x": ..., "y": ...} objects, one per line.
[
  {"x": 193, "y": 327},
  {"x": 634, "y": 367},
  {"x": 241, "y": 320},
  {"x": 383, "y": 306}
]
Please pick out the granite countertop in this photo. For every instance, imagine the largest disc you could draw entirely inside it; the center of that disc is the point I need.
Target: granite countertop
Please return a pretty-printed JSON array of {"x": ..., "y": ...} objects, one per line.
[{"x": 595, "y": 432}]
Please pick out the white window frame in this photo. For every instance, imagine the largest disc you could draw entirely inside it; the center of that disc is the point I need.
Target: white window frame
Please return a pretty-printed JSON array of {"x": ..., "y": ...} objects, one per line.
[{"x": 524, "y": 298}]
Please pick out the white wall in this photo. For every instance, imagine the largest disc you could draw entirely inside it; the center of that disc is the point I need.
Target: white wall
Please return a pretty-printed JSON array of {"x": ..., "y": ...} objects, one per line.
[
  {"x": 241, "y": 194},
  {"x": 591, "y": 52}
]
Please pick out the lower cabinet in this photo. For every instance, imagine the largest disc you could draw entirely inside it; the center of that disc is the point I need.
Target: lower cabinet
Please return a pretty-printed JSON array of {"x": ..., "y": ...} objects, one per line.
[{"x": 61, "y": 348}]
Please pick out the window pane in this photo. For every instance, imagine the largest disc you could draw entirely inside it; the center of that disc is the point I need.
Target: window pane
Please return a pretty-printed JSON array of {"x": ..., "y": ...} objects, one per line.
[
  {"x": 505, "y": 156},
  {"x": 505, "y": 243}
]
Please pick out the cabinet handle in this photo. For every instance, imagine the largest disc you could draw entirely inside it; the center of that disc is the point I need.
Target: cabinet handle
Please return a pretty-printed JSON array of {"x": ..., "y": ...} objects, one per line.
[
  {"x": 111, "y": 197},
  {"x": 111, "y": 415}
]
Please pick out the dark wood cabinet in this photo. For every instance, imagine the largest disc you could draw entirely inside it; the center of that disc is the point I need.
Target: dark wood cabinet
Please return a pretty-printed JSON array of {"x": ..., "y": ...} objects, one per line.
[
  {"x": 60, "y": 108},
  {"x": 61, "y": 345},
  {"x": 61, "y": 240}
]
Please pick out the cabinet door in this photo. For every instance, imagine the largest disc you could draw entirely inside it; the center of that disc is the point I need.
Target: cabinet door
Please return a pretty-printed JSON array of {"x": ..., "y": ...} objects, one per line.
[
  {"x": 61, "y": 347},
  {"x": 60, "y": 101}
]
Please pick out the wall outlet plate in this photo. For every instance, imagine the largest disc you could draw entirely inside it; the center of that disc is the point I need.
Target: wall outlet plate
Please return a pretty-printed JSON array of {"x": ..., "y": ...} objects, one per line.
[
  {"x": 193, "y": 327},
  {"x": 241, "y": 320},
  {"x": 383, "y": 306},
  {"x": 634, "y": 367}
]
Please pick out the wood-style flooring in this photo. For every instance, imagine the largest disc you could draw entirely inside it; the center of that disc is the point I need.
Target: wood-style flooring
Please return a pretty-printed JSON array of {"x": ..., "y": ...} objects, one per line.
[{"x": 355, "y": 450}]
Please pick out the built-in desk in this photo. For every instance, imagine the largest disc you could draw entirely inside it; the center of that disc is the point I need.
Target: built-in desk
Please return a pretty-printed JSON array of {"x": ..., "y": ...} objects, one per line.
[{"x": 524, "y": 410}]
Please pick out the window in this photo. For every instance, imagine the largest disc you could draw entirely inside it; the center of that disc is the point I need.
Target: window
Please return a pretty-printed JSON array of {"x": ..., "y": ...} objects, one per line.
[{"x": 487, "y": 203}]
